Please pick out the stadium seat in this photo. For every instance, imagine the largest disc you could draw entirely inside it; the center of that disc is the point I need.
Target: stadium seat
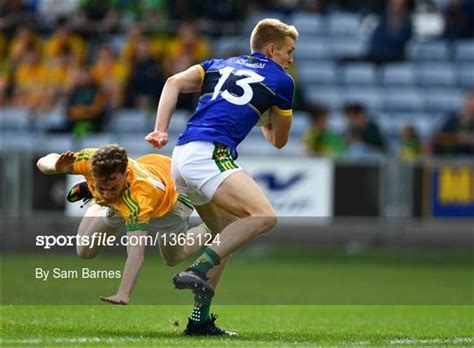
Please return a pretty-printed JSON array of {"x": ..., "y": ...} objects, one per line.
[
  {"x": 229, "y": 45},
  {"x": 14, "y": 119},
  {"x": 359, "y": 74},
  {"x": 426, "y": 124},
  {"x": 328, "y": 97},
  {"x": 398, "y": 75},
  {"x": 436, "y": 75},
  {"x": 388, "y": 124},
  {"x": 57, "y": 143},
  {"x": 337, "y": 122},
  {"x": 346, "y": 47},
  {"x": 317, "y": 73},
  {"x": 131, "y": 121},
  {"x": 308, "y": 23},
  {"x": 311, "y": 50},
  {"x": 96, "y": 140},
  {"x": 442, "y": 100},
  {"x": 465, "y": 74},
  {"x": 402, "y": 100},
  {"x": 430, "y": 51},
  {"x": 49, "y": 119},
  {"x": 178, "y": 121},
  {"x": 252, "y": 20},
  {"x": 300, "y": 123},
  {"x": 136, "y": 146},
  {"x": 369, "y": 97},
  {"x": 17, "y": 140},
  {"x": 464, "y": 51},
  {"x": 344, "y": 24}
]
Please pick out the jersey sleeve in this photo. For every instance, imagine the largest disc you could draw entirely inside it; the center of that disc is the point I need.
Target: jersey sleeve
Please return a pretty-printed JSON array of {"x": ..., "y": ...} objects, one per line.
[
  {"x": 81, "y": 164},
  {"x": 204, "y": 67},
  {"x": 283, "y": 104},
  {"x": 139, "y": 208}
]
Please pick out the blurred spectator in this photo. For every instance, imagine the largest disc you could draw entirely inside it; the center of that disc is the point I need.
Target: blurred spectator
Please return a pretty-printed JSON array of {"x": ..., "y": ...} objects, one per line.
[
  {"x": 456, "y": 137},
  {"x": 391, "y": 35},
  {"x": 60, "y": 72},
  {"x": 110, "y": 74},
  {"x": 362, "y": 131},
  {"x": 4, "y": 84},
  {"x": 135, "y": 34},
  {"x": 187, "y": 49},
  {"x": 410, "y": 146},
  {"x": 4, "y": 70},
  {"x": 96, "y": 18},
  {"x": 24, "y": 39},
  {"x": 459, "y": 15},
  {"x": 154, "y": 15},
  {"x": 30, "y": 82},
  {"x": 62, "y": 39},
  {"x": 3, "y": 46},
  {"x": 357, "y": 148},
  {"x": 147, "y": 80},
  {"x": 85, "y": 106},
  {"x": 156, "y": 44},
  {"x": 319, "y": 139},
  {"x": 13, "y": 13}
]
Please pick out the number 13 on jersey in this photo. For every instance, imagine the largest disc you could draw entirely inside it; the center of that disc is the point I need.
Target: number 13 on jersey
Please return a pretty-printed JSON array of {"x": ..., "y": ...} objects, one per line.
[{"x": 244, "y": 83}]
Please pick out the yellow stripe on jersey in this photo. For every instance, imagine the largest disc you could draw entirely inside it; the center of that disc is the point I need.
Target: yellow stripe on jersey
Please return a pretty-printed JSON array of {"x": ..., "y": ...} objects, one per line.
[
  {"x": 281, "y": 112},
  {"x": 133, "y": 207},
  {"x": 201, "y": 71}
]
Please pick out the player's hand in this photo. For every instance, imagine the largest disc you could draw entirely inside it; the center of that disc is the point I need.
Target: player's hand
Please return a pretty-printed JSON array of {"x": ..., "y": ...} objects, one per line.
[
  {"x": 65, "y": 162},
  {"x": 157, "y": 139},
  {"x": 115, "y": 299}
]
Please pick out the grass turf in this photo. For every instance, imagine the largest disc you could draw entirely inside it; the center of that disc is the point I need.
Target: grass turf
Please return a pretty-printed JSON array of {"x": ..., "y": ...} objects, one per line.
[
  {"x": 270, "y": 297},
  {"x": 257, "y": 325}
]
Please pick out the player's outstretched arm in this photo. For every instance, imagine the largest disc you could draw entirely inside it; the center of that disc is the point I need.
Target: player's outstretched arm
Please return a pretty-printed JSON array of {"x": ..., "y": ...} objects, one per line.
[
  {"x": 56, "y": 163},
  {"x": 278, "y": 130},
  {"x": 188, "y": 81},
  {"x": 135, "y": 257}
]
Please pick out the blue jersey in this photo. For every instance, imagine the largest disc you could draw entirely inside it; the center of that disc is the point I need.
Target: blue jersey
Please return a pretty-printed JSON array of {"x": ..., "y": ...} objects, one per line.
[{"x": 235, "y": 93}]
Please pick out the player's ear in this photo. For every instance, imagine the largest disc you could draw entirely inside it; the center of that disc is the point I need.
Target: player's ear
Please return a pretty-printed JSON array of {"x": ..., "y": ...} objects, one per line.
[{"x": 271, "y": 49}]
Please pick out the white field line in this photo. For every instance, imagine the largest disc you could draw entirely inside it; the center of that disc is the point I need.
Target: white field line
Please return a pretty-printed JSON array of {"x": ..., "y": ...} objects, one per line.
[
  {"x": 71, "y": 340},
  {"x": 416, "y": 341},
  {"x": 399, "y": 341}
]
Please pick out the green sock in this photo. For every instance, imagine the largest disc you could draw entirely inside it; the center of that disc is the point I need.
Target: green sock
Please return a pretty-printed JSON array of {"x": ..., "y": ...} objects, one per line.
[
  {"x": 200, "y": 314},
  {"x": 206, "y": 261}
]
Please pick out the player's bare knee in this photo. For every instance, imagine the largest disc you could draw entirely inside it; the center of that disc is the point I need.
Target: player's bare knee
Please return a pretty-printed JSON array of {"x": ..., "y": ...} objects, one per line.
[
  {"x": 172, "y": 261},
  {"x": 266, "y": 219},
  {"x": 268, "y": 223},
  {"x": 85, "y": 253}
]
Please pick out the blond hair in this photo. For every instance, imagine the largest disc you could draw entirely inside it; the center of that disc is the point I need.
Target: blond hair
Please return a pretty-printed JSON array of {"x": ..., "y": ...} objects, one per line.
[
  {"x": 271, "y": 30},
  {"x": 108, "y": 160}
]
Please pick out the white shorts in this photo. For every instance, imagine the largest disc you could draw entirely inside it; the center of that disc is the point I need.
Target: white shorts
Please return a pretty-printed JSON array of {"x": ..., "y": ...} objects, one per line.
[
  {"x": 199, "y": 168},
  {"x": 175, "y": 222}
]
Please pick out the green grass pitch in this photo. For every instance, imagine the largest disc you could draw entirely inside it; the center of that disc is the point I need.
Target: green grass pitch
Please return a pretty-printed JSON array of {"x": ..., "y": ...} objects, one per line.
[{"x": 327, "y": 299}]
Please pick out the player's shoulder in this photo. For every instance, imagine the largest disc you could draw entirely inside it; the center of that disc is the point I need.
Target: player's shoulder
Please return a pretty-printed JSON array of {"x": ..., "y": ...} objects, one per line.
[
  {"x": 84, "y": 154},
  {"x": 137, "y": 189}
]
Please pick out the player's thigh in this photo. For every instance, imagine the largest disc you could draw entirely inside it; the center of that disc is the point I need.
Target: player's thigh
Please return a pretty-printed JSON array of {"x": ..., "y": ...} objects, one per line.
[
  {"x": 240, "y": 195},
  {"x": 96, "y": 219},
  {"x": 172, "y": 227}
]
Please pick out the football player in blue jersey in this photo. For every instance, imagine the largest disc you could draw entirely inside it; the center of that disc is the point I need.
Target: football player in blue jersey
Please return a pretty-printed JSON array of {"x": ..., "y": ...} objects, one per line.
[{"x": 235, "y": 93}]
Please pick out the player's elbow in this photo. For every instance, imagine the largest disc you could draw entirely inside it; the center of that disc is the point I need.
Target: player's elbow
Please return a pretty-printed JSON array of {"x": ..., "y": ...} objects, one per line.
[
  {"x": 41, "y": 165},
  {"x": 175, "y": 81},
  {"x": 280, "y": 143}
]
